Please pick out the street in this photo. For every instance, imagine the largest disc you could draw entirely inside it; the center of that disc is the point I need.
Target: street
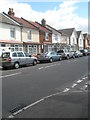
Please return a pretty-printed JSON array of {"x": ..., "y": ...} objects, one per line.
[{"x": 65, "y": 80}]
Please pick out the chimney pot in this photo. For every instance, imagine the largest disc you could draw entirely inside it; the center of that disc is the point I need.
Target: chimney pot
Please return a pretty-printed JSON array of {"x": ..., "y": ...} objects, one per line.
[{"x": 11, "y": 13}]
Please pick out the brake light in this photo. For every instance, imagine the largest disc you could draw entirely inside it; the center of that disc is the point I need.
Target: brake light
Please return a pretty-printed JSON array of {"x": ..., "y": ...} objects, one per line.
[{"x": 9, "y": 59}]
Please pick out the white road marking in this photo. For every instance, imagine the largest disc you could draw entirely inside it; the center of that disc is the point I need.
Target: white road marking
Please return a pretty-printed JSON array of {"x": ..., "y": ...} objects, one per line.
[
  {"x": 74, "y": 85},
  {"x": 66, "y": 90},
  {"x": 48, "y": 66},
  {"x": 79, "y": 81},
  {"x": 10, "y": 75}
]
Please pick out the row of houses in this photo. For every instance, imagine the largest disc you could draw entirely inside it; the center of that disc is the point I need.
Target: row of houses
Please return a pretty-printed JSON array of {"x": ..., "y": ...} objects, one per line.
[{"x": 19, "y": 34}]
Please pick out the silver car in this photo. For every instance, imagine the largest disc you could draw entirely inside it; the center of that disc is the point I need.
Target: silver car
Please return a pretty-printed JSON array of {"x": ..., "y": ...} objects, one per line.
[
  {"x": 49, "y": 56},
  {"x": 17, "y": 59}
]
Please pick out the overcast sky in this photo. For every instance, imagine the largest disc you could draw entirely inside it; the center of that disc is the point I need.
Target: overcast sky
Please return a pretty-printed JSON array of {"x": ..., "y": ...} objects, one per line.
[{"x": 60, "y": 15}]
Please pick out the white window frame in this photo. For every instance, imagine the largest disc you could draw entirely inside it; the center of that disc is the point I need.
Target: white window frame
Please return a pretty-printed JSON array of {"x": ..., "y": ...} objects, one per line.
[
  {"x": 46, "y": 36},
  {"x": 29, "y": 35},
  {"x": 12, "y": 32}
]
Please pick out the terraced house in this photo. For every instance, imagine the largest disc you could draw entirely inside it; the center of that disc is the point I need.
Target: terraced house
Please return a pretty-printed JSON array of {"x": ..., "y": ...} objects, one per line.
[
  {"x": 71, "y": 38},
  {"x": 20, "y": 35},
  {"x": 10, "y": 34},
  {"x": 80, "y": 40},
  {"x": 45, "y": 36}
]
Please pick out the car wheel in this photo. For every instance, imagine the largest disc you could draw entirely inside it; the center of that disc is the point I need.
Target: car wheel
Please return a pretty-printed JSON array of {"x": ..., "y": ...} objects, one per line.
[
  {"x": 51, "y": 60},
  {"x": 16, "y": 65},
  {"x": 60, "y": 59},
  {"x": 73, "y": 56},
  {"x": 67, "y": 57},
  {"x": 34, "y": 62}
]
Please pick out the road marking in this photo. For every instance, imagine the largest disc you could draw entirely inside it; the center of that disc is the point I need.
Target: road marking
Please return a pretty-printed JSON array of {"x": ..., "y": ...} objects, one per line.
[
  {"x": 79, "y": 81},
  {"x": 74, "y": 85},
  {"x": 48, "y": 66},
  {"x": 66, "y": 90},
  {"x": 10, "y": 75}
]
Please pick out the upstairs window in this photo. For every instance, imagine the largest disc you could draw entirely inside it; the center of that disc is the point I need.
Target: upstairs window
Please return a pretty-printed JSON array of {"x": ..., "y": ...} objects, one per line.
[
  {"x": 80, "y": 41},
  {"x": 12, "y": 32},
  {"x": 29, "y": 35},
  {"x": 46, "y": 36}
]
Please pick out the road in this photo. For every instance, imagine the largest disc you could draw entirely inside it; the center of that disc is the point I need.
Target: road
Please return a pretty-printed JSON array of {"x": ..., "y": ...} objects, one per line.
[{"x": 30, "y": 84}]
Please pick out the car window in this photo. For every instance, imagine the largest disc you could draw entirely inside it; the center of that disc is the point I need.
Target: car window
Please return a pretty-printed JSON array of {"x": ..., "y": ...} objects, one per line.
[
  {"x": 14, "y": 55},
  {"x": 26, "y": 54},
  {"x": 20, "y": 54},
  {"x": 6, "y": 55}
]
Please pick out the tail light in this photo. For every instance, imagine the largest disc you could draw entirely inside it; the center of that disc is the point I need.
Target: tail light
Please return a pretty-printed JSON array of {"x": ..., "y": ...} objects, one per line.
[{"x": 9, "y": 59}]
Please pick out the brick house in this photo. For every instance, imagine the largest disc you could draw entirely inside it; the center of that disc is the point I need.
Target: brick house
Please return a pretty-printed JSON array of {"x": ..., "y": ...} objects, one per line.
[
  {"x": 86, "y": 41},
  {"x": 45, "y": 36}
]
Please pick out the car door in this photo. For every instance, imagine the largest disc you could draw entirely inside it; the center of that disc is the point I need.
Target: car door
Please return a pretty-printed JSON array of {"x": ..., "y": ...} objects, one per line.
[{"x": 21, "y": 58}]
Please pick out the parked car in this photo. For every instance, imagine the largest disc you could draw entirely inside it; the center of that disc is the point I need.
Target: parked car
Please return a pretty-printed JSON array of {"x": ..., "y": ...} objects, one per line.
[
  {"x": 78, "y": 54},
  {"x": 17, "y": 59},
  {"x": 49, "y": 56},
  {"x": 66, "y": 54},
  {"x": 84, "y": 52},
  {"x": 88, "y": 52}
]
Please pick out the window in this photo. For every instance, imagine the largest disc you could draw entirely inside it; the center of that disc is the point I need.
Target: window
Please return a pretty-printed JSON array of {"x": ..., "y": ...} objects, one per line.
[
  {"x": 73, "y": 41},
  {"x": 29, "y": 35},
  {"x": 14, "y": 55},
  {"x": 20, "y": 54},
  {"x": 12, "y": 32},
  {"x": 26, "y": 54},
  {"x": 46, "y": 36},
  {"x": 80, "y": 41},
  {"x": 3, "y": 45}
]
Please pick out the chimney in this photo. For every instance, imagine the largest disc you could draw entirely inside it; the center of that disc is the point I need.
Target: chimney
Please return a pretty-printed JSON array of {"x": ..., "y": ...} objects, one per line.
[
  {"x": 43, "y": 22},
  {"x": 11, "y": 13}
]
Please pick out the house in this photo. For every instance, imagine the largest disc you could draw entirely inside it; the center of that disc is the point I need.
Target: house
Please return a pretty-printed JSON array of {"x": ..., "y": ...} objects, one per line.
[
  {"x": 88, "y": 41},
  {"x": 85, "y": 40},
  {"x": 45, "y": 36},
  {"x": 71, "y": 37},
  {"x": 56, "y": 36},
  {"x": 29, "y": 34},
  {"x": 80, "y": 40},
  {"x": 10, "y": 36}
]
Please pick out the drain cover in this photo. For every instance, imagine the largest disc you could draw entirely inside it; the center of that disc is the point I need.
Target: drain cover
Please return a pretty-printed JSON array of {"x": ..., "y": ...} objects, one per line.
[{"x": 19, "y": 107}]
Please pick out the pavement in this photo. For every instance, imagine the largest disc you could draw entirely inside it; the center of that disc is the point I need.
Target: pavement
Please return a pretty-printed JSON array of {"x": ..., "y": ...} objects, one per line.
[{"x": 48, "y": 90}]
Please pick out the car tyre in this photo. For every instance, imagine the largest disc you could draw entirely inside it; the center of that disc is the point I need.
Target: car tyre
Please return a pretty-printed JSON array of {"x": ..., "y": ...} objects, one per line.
[
  {"x": 34, "y": 62},
  {"x": 51, "y": 60},
  {"x": 67, "y": 57},
  {"x": 60, "y": 59},
  {"x": 16, "y": 65}
]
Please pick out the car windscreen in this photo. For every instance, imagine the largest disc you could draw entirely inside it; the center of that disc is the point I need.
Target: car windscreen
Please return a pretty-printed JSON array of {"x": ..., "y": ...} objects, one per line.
[{"x": 6, "y": 55}]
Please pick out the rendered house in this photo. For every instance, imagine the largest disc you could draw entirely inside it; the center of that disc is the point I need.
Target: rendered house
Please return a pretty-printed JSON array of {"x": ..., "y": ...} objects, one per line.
[
  {"x": 29, "y": 33},
  {"x": 80, "y": 40},
  {"x": 45, "y": 36},
  {"x": 72, "y": 37},
  {"x": 10, "y": 35}
]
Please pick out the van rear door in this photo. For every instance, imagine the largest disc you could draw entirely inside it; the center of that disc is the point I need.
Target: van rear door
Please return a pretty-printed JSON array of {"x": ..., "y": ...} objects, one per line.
[{"x": 5, "y": 56}]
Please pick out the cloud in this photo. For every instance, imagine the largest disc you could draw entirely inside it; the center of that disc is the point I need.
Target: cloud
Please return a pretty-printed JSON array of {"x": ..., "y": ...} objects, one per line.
[{"x": 64, "y": 16}]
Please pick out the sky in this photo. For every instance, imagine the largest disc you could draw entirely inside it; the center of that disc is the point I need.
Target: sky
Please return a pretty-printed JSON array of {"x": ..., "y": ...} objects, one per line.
[{"x": 60, "y": 15}]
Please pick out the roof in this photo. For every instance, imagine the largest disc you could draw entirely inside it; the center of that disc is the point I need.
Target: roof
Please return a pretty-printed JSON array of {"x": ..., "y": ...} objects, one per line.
[
  {"x": 53, "y": 29},
  {"x": 41, "y": 27},
  {"x": 84, "y": 35},
  {"x": 78, "y": 33},
  {"x": 21, "y": 21},
  {"x": 67, "y": 31}
]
